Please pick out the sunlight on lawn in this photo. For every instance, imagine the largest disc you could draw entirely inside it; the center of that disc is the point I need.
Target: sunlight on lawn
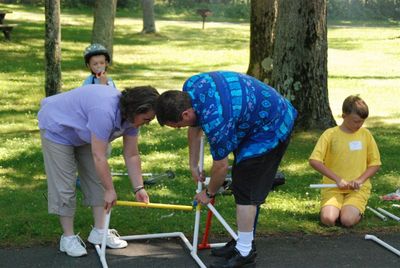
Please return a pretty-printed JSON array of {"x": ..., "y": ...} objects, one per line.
[
  {"x": 296, "y": 168},
  {"x": 361, "y": 60}
]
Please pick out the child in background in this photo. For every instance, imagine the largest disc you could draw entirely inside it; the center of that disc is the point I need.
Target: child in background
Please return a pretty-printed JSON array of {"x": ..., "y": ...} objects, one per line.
[
  {"x": 97, "y": 59},
  {"x": 348, "y": 156}
]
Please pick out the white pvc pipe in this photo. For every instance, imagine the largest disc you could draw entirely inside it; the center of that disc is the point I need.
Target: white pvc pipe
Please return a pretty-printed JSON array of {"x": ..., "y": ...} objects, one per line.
[
  {"x": 222, "y": 221},
  {"x": 193, "y": 248},
  {"x": 217, "y": 245},
  {"x": 377, "y": 213},
  {"x": 102, "y": 258},
  {"x": 151, "y": 236},
  {"x": 323, "y": 185},
  {"x": 387, "y": 213},
  {"x": 168, "y": 235},
  {"x": 201, "y": 154},
  {"x": 396, "y": 206},
  {"x": 382, "y": 243},
  {"x": 117, "y": 173},
  {"x": 199, "y": 188},
  {"x": 101, "y": 251}
]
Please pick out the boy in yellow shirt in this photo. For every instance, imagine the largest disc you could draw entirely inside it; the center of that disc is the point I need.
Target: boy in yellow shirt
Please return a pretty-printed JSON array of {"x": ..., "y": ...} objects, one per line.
[{"x": 348, "y": 156}]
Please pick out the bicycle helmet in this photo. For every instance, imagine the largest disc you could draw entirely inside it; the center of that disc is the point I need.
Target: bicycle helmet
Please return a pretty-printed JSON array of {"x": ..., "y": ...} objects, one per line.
[{"x": 93, "y": 50}]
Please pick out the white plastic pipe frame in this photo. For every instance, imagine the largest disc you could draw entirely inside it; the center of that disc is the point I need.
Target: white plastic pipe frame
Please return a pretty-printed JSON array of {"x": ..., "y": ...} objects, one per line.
[
  {"x": 382, "y": 217},
  {"x": 210, "y": 207},
  {"x": 101, "y": 249},
  {"x": 317, "y": 186},
  {"x": 382, "y": 243}
]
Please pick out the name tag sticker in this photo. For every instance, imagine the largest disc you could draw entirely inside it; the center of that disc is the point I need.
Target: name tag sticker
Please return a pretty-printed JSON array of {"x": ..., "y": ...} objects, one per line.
[{"x": 355, "y": 145}]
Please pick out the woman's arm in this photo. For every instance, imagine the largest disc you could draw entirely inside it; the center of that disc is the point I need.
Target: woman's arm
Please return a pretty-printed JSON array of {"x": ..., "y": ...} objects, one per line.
[
  {"x": 99, "y": 153},
  {"x": 133, "y": 165}
]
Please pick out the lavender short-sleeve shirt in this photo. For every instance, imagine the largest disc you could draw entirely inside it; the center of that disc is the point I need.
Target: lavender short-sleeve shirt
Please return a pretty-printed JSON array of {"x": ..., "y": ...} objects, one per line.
[{"x": 70, "y": 118}]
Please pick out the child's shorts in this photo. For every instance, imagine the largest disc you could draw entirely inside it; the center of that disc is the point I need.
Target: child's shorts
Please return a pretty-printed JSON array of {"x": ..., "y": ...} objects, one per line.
[{"x": 338, "y": 198}]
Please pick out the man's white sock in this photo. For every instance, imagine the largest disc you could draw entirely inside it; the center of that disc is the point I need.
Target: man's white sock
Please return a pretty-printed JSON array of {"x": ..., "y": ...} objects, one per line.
[{"x": 243, "y": 244}]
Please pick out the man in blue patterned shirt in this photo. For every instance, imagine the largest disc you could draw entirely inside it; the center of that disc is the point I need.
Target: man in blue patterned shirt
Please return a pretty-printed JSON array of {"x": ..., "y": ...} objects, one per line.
[{"x": 238, "y": 114}]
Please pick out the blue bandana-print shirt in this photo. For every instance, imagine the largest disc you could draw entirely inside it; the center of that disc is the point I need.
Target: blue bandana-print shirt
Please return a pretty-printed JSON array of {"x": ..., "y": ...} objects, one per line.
[{"x": 239, "y": 114}]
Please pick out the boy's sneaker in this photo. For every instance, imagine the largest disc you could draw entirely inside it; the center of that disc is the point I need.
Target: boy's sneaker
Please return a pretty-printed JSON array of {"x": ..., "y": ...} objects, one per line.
[
  {"x": 73, "y": 245},
  {"x": 113, "y": 240}
]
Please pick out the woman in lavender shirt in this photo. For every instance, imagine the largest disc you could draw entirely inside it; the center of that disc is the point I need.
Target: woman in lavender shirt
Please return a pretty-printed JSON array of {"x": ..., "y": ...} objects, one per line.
[{"x": 76, "y": 127}]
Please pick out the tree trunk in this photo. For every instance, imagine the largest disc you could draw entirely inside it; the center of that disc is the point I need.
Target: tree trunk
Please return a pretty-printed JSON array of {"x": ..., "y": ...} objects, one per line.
[
  {"x": 103, "y": 24},
  {"x": 149, "y": 25},
  {"x": 300, "y": 61},
  {"x": 52, "y": 47},
  {"x": 262, "y": 27}
]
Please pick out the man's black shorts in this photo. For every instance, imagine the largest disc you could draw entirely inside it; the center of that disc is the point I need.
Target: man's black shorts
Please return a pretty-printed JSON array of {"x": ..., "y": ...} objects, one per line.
[{"x": 252, "y": 178}]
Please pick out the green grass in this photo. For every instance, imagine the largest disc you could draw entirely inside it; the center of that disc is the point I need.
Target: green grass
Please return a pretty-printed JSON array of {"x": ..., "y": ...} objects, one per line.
[{"x": 363, "y": 59}]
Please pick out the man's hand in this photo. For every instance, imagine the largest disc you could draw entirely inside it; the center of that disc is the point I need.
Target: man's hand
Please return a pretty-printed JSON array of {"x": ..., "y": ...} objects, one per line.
[
  {"x": 110, "y": 198},
  {"x": 197, "y": 175},
  {"x": 141, "y": 196},
  {"x": 202, "y": 198}
]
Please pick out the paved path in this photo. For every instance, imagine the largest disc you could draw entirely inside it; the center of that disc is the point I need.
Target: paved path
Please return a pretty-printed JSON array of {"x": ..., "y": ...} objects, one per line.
[{"x": 273, "y": 251}]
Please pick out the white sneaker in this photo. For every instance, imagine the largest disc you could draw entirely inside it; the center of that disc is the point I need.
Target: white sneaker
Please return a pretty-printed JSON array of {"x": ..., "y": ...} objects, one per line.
[
  {"x": 113, "y": 240},
  {"x": 73, "y": 245}
]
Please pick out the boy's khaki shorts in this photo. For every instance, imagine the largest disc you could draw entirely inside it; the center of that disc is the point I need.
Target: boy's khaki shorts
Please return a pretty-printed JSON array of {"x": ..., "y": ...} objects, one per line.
[
  {"x": 62, "y": 162},
  {"x": 337, "y": 198}
]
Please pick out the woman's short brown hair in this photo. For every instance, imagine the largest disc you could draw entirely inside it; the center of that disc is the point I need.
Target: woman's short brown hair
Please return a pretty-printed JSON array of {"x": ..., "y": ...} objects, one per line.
[{"x": 137, "y": 100}]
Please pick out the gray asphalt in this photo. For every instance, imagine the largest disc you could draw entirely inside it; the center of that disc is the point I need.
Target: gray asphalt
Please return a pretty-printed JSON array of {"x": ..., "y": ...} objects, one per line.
[{"x": 350, "y": 250}]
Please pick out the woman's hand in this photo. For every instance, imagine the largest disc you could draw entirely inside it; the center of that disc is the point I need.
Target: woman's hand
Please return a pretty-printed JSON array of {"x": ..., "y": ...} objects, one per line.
[
  {"x": 141, "y": 196},
  {"x": 110, "y": 198}
]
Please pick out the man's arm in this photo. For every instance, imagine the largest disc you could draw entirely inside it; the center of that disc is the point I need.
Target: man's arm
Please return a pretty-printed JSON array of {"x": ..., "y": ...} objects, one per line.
[
  {"x": 133, "y": 165},
  {"x": 99, "y": 151},
  {"x": 219, "y": 170},
  {"x": 194, "y": 139}
]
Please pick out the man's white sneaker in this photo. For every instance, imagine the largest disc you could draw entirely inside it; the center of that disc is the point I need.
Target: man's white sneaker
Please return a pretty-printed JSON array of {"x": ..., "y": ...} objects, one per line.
[
  {"x": 113, "y": 240},
  {"x": 73, "y": 245}
]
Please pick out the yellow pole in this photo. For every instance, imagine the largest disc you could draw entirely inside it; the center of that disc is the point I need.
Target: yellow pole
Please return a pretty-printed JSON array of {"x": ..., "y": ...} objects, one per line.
[{"x": 153, "y": 205}]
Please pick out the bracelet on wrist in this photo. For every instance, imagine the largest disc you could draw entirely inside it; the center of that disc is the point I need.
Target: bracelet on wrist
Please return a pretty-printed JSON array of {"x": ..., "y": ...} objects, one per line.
[
  {"x": 139, "y": 188},
  {"x": 209, "y": 195}
]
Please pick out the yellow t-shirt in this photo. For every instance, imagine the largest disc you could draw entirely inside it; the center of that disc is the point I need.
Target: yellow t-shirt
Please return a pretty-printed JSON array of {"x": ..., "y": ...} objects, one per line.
[{"x": 347, "y": 154}]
